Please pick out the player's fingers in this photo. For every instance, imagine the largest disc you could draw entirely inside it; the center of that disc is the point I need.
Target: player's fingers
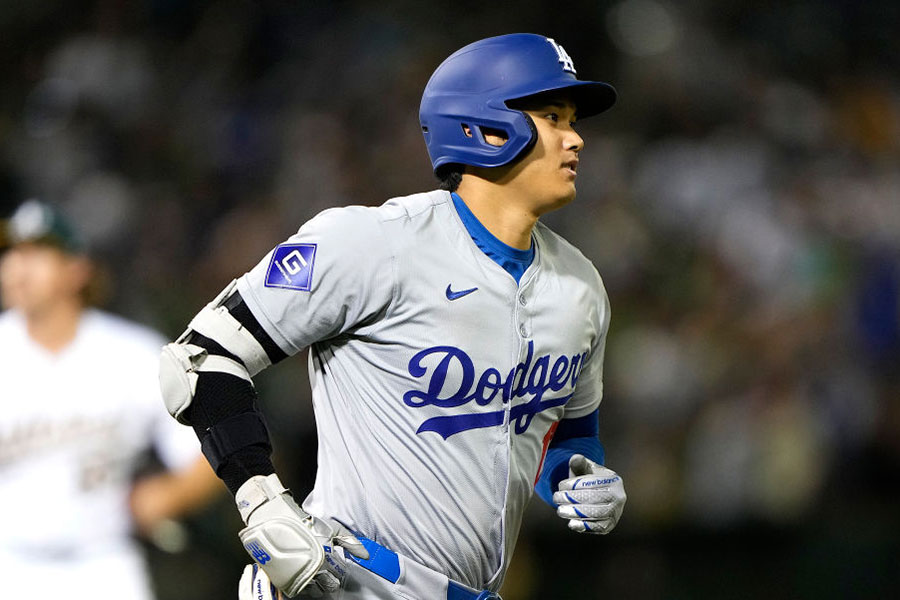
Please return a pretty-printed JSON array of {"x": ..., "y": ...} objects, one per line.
[
  {"x": 325, "y": 582},
  {"x": 586, "y": 511},
  {"x": 560, "y": 498},
  {"x": 597, "y": 527},
  {"x": 604, "y": 479},
  {"x": 584, "y": 497},
  {"x": 578, "y": 465},
  {"x": 245, "y": 586},
  {"x": 312, "y": 591},
  {"x": 349, "y": 541},
  {"x": 255, "y": 585}
]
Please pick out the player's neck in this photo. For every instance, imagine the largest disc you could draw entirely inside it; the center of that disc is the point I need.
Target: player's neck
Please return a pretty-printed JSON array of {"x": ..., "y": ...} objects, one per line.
[
  {"x": 500, "y": 211},
  {"x": 55, "y": 327}
]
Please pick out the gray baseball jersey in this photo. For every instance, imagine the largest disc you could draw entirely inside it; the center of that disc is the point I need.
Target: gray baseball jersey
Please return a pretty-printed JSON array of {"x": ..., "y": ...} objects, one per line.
[{"x": 436, "y": 378}]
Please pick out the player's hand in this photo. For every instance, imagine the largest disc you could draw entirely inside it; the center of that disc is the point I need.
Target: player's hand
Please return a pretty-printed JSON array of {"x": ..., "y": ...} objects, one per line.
[
  {"x": 593, "y": 497},
  {"x": 330, "y": 575},
  {"x": 293, "y": 547},
  {"x": 255, "y": 585}
]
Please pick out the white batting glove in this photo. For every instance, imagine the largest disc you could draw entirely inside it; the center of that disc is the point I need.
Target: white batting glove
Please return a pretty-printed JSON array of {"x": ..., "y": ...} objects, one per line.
[
  {"x": 291, "y": 546},
  {"x": 255, "y": 585},
  {"x": 593, "y": 497}
]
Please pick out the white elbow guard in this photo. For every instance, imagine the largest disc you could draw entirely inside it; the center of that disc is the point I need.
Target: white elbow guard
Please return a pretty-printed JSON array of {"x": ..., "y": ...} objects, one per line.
[
  {"x": 179, "y": 368},
  {"x": 181, "y": 362},
  {"x": 215, "y": 322}
]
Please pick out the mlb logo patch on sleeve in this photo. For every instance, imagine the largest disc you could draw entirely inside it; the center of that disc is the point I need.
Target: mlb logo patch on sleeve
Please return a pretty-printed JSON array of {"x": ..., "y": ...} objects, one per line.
[{"x": 292, "y": 267}]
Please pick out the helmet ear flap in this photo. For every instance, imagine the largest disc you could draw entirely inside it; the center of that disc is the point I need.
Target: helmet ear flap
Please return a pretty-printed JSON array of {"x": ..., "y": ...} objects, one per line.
[
  {"x": 532, "y": 138},
  {"x": 512, "y": 133},
  {"x": 532, "y": 141},
  {"x": 479, "y": 131}
]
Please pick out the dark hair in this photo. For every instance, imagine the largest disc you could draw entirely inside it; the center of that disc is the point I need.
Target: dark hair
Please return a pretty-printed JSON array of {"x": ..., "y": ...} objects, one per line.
[{"x": 450, "y": 176}]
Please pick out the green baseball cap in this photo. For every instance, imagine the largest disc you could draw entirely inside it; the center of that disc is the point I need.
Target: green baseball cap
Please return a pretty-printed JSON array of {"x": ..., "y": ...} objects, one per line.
[{"x": 38, "y": 222}]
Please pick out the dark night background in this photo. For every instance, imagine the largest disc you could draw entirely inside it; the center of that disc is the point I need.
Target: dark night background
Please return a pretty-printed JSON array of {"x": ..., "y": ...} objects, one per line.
[{"x": 742, "y": 202}]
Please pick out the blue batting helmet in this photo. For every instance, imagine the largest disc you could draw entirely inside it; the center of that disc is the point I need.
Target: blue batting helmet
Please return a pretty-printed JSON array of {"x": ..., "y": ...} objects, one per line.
[{"x": 471, "y": 88}]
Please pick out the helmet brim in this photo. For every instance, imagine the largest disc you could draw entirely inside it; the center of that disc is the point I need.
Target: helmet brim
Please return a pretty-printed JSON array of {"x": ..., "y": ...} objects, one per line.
[{"x": 590, "y": 97}]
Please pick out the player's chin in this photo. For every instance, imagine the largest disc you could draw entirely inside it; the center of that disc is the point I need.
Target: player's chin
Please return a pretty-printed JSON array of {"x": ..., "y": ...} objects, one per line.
[
  {"x": 557, "y": 198},
  {"x": 566, "y": 196}
]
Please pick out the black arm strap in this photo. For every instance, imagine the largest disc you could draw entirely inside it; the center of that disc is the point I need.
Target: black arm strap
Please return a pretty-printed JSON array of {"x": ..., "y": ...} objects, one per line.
[
  {"x": 228, "y": 437},
  {"x": 240, "y": 311},
  {"x": 222, "y": 400}
]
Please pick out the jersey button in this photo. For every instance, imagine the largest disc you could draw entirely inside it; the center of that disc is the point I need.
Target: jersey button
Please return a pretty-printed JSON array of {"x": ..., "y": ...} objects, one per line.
[
  {"x": 523, "y": 330},
  {"x": 523, "y": 300}
]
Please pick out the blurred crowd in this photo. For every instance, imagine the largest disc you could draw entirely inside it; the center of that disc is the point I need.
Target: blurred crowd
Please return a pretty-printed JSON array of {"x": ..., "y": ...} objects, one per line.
[{"x": 742, "y": 203}]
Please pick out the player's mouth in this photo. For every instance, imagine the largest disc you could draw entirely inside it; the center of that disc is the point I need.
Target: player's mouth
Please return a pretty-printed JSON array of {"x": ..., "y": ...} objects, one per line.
[{"x": 571, "y": 166}]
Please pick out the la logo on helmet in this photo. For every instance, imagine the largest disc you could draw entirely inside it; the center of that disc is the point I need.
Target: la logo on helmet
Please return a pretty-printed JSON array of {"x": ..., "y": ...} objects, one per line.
[{"x": 564, "y": 57}]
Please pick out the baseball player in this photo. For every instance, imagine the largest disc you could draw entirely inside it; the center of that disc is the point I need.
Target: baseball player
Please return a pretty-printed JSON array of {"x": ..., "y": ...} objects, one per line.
[
  {"x": 79, "y": 408},
  {"x": 456, "y": 354}
]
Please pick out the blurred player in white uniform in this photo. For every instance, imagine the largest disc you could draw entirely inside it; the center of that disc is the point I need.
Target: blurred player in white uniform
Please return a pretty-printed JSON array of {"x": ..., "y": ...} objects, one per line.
[
  {"x": 79, "y": 408},
  {"x": 456, "y": 354}
]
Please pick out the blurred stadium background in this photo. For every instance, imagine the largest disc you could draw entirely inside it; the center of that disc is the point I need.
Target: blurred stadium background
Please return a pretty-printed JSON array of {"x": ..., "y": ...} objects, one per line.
[{"x": 742, "y": 202}]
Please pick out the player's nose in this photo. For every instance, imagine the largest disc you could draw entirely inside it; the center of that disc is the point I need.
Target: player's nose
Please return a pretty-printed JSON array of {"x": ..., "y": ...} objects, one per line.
[{"x": 573, "y": 141}]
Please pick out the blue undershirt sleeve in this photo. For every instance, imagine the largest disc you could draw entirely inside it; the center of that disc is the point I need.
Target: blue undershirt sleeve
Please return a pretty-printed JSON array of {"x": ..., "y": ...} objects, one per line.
[{"x": 573, "y": 436}]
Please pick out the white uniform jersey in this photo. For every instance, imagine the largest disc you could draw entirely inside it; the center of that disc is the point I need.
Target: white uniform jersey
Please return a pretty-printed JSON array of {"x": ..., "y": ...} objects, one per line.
[
  {"x": 73, "y": 426},
  {"x": 436, "y": 378}
]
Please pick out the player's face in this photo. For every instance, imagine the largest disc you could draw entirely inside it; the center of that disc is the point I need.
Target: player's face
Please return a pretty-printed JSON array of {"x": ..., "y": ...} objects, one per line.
[
  {"x": 545, "y": 177},
  {"x": 36, "y": 277}
]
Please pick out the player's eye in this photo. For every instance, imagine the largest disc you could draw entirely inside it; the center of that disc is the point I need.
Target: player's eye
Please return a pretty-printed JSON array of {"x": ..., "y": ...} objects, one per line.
[{"x": 553, "y": 117}]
